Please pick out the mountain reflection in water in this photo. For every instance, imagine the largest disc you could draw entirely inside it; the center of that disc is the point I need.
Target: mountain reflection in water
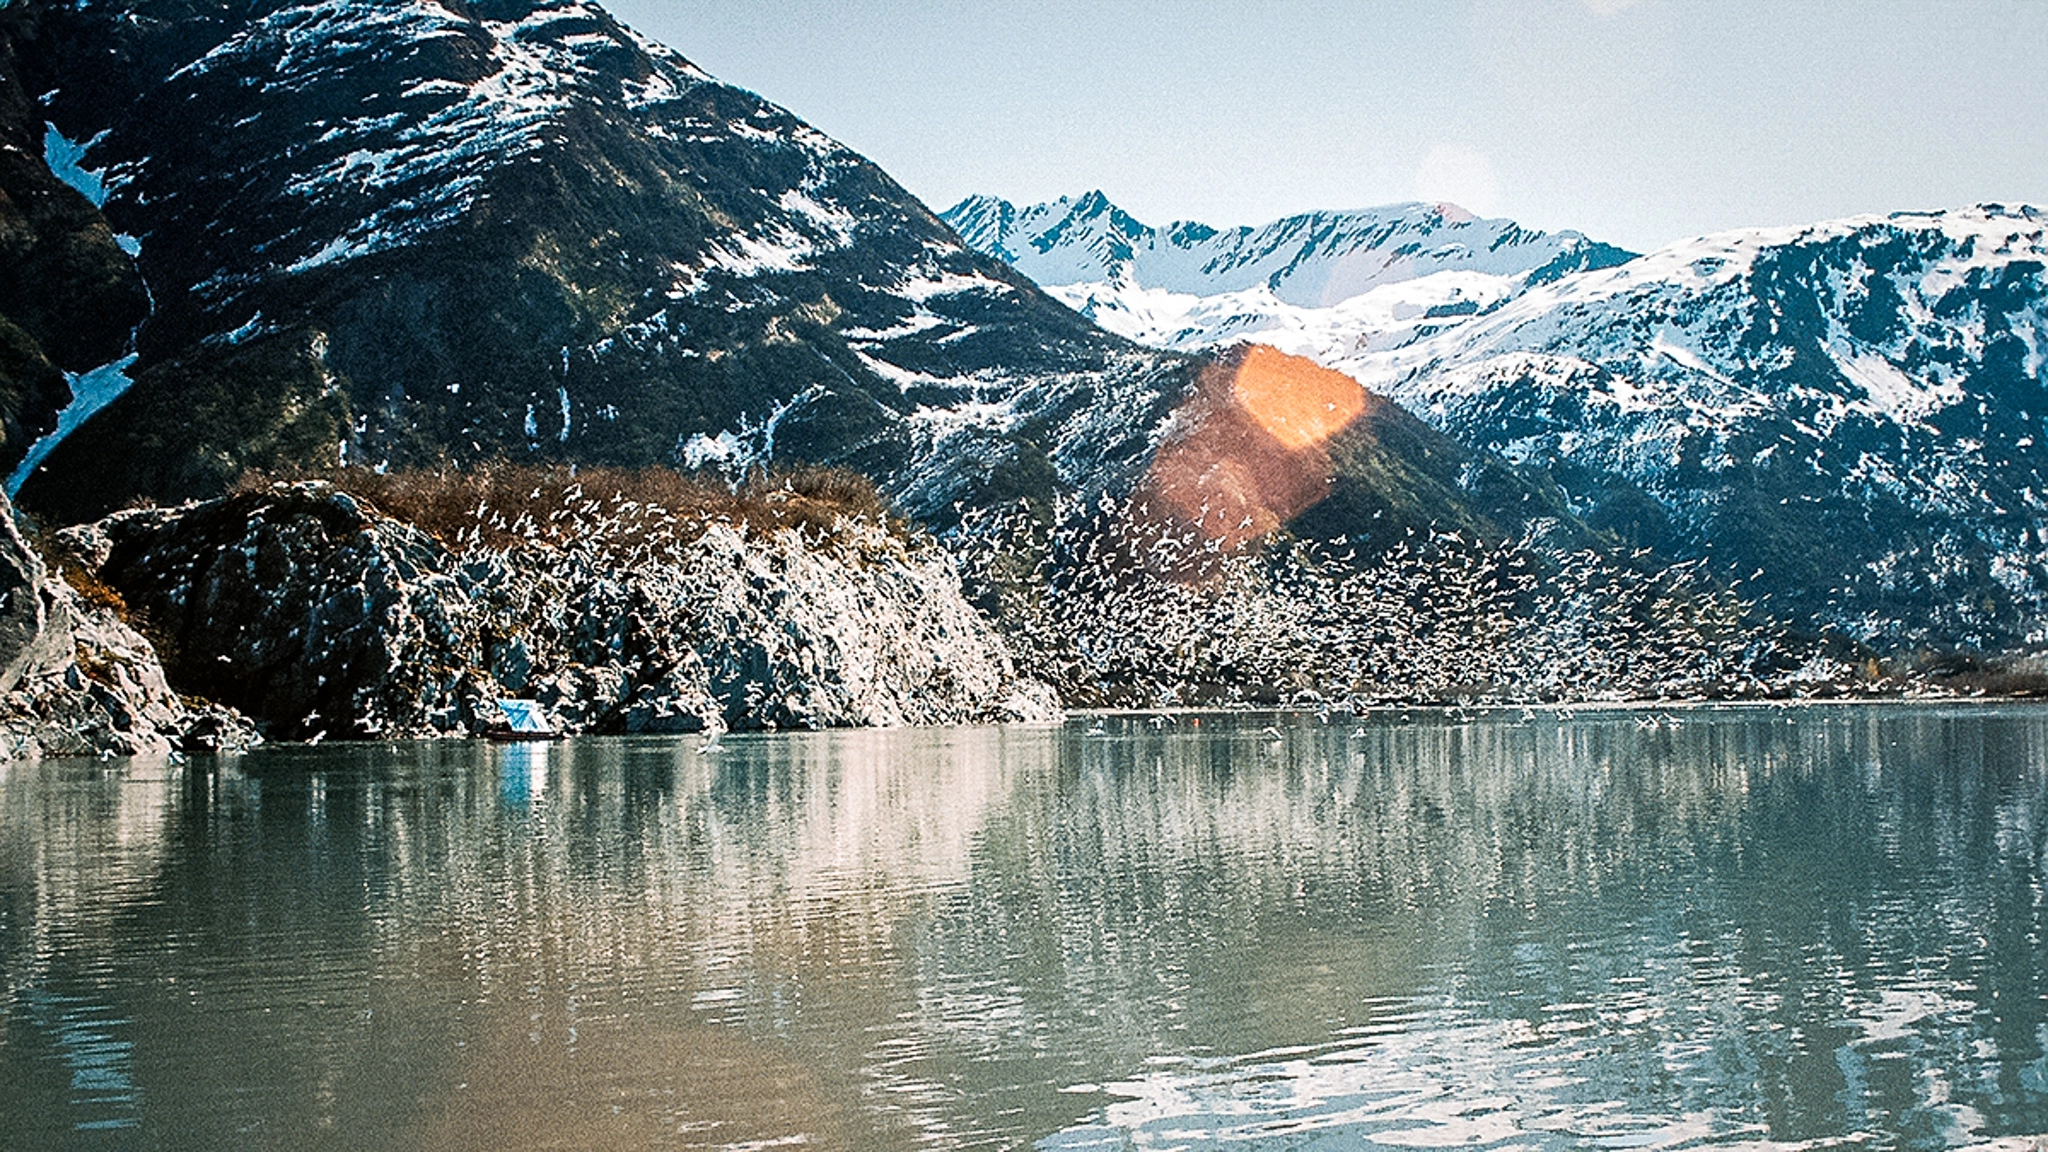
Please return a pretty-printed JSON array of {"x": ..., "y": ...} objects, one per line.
[{"x": 1743, "y": 926}]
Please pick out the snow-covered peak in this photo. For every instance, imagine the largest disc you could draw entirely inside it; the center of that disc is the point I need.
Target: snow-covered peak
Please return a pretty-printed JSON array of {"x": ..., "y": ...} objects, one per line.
[
  {"x": 983, "y": 222},
  {"x": 1951, "y": 241},
  {"x": 1311, "y": 260},
  {"x": 1896, "y": 287},
  {"x": 1854, "y": 410}
]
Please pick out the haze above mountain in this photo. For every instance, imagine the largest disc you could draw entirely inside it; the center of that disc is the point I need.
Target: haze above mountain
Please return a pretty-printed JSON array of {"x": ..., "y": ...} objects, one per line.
[{"x": 1639, "y": 122}]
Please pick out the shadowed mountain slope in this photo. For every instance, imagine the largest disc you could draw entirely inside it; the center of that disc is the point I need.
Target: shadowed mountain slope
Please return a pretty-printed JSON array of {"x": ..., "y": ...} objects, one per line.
[
  {"x": 408, "y": 231},
  {"x": 70, "y": 298}
]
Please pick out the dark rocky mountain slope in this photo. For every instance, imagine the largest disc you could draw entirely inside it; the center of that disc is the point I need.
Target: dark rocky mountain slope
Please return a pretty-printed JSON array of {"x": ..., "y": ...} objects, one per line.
[
  {"x": 416, "y": 230},
  {"x": 70, "y": 298}
]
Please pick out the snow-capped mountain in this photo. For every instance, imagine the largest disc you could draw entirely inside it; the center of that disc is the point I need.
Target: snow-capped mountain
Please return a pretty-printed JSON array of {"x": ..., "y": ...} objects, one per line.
[
  {"x": 414, "y": 231},
  {"x": 1850, "y": 419},
  {"x": 408, "y": 231},
  {"x": 1189, "y": 286},
  {"x": 1854, "y": 413}
]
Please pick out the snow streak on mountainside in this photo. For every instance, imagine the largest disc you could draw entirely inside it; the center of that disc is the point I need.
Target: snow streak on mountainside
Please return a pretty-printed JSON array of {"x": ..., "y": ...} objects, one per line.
[
  {"x": 1855, "y": 411},
  {"x": 1404, "y": 268},
  {"x": 408, "y": 231},
  {"x": 70, "y": 297}
]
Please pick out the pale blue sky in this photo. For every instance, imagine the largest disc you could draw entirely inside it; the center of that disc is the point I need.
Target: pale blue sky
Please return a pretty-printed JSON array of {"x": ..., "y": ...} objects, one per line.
[{"x": 1636, "y": 121}]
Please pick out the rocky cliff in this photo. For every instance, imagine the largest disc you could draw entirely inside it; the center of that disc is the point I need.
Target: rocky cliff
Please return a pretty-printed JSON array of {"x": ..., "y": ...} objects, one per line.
[
  {"x": 76, "y": 680},
  {"x": 312, "y": 611}
]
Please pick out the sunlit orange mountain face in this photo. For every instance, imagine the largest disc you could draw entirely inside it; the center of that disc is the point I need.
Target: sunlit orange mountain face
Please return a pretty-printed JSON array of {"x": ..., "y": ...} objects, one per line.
[{"x": 1249, "y": 450}]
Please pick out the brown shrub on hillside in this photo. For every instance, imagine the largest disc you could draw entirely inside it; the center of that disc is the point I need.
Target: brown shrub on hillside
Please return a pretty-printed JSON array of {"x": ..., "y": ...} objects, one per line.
[
  {"x": 88, "y": 585},
  {"x": 614, "y": 510}
]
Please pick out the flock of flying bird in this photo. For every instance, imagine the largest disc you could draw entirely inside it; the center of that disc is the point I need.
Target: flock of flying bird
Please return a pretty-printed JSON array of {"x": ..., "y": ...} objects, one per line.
[
  {"x": 1113, "y": 606},
  {"x": 1116, "y": 609}
]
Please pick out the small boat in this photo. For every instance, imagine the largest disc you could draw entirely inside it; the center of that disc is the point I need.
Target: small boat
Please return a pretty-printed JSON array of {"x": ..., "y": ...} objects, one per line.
[{"x": 524, "y": 720}]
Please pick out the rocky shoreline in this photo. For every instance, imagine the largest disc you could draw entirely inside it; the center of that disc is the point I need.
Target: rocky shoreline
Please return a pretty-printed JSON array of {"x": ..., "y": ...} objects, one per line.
[
  {"x": 77, "y": 680},
  {"x": 303, "y": 613}
]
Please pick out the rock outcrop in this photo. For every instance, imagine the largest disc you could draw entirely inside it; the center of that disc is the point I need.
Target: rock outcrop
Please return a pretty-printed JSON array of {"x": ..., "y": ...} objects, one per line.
[
  {"x": 320, "y": 616},
  {"x": 77, "y": 680}
]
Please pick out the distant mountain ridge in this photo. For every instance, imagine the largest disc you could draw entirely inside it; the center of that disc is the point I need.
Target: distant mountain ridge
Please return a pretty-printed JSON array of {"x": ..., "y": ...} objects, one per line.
[
  {"x": 1189, "y": 285},
  {"x": 1310, "y": 260},
  {"x": 1855, "y": 411}
]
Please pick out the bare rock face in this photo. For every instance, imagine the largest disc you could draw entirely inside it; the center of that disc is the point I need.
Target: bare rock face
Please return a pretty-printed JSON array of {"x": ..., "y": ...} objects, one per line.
[
  {"x": 875, "y": 634},
  {"x": 318, "y": 615},
  {"x": 77, "y": 680},
  {"x": 70, "y": 297},
  {"x": 27, "y": 642},
  {"x": 303, "y": 611}
]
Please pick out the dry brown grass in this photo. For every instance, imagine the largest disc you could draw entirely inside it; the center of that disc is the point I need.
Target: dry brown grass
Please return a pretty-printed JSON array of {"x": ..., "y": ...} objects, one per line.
[
  {"x": 1981, "y": 675},
  {"x": 91, "y": 588},
  {"x": 505, "y": 506}
]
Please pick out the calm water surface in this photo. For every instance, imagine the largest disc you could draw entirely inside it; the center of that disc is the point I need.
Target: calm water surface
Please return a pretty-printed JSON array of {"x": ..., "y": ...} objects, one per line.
[{"x": 1764, "y": 927}]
